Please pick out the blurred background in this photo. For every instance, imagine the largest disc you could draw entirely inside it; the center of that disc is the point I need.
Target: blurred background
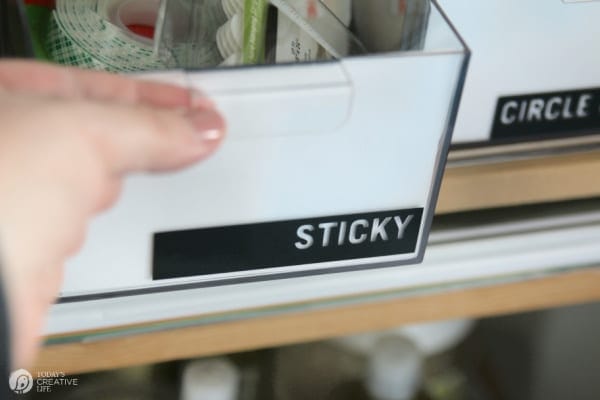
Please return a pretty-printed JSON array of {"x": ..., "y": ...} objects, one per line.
[{"x": 542, "y": 355}]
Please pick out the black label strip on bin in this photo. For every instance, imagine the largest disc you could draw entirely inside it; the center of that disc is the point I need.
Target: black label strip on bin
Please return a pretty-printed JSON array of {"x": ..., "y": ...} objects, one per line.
[
  {"x": 547, "y": 114},
  {"x": 249, "y": 247}
]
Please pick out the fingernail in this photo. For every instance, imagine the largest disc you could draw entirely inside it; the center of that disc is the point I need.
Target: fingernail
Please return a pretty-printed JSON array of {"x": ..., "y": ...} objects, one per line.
[{"x": 208, "y": 124}]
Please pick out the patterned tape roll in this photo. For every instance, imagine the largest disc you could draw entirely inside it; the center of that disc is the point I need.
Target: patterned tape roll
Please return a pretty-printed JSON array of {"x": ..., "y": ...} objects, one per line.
[{"x": 93, "y": 34}]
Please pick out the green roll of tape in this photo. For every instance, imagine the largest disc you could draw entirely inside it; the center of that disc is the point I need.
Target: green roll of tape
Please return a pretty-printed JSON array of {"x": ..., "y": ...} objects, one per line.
[{"x": 93, "y": 34}]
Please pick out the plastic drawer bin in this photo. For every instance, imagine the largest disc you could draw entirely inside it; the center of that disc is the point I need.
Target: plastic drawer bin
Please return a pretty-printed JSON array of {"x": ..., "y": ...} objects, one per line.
[
  {"x": 535, "y": 71},
  {"x": 327, "y": 167}
]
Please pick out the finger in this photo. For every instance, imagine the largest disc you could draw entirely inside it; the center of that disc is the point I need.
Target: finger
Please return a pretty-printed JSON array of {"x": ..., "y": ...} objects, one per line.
[
  {"x": 109, "y": 196},
  {"x": 136, "y": 138},
  {"x": 38, "y": 78}
]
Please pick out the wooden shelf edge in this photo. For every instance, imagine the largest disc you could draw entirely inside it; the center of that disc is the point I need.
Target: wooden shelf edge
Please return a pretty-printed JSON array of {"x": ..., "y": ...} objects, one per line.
[
  {"x": 544, "y": 179},
  {"x": 560, "y": 290}
]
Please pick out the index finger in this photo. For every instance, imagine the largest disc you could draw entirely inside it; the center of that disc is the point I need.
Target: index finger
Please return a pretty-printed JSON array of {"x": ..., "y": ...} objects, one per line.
[{"x": 29, "y": 77}]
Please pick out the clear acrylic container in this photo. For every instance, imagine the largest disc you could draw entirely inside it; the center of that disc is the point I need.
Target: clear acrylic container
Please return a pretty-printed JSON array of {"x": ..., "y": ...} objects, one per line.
[{"x": 349, "y": 150}]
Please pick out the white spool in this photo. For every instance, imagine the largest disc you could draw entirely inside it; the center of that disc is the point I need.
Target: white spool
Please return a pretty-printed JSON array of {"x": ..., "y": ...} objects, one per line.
[
  {"x": 394, "y": 370},
  {"x": 233, "y": 60},
  {"x": 232, "y": 7},
  {"x": 230, "y": 36},
  {"x": 214, "y": 379},
  {"x": 93, "y": 34}
]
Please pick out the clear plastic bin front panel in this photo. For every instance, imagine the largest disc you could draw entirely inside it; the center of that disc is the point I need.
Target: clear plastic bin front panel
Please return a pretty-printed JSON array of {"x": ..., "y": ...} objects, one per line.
[{"x": 359, "y": 141}]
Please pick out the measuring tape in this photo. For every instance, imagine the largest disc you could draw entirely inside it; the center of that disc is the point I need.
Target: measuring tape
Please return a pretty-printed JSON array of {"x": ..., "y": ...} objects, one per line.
[{"x": 101, "y": 34}]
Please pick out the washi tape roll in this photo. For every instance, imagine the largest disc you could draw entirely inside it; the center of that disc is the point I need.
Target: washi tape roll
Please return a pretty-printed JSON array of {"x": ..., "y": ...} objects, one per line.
[{"x": 101, "y": 34}]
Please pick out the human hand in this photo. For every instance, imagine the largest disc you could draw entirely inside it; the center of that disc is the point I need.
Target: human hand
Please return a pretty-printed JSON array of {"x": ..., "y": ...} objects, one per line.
[{"x": 67, "y": 139}]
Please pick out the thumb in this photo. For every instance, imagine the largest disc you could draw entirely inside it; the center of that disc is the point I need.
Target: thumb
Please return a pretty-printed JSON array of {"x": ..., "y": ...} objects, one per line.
[{"x": 135, "y": 138}]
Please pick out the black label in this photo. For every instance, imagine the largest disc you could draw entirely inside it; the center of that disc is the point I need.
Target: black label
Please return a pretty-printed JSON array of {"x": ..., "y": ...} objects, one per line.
[
  {"x": 547, "y": 114},
  {"x": 285, "y": 243}
]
